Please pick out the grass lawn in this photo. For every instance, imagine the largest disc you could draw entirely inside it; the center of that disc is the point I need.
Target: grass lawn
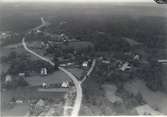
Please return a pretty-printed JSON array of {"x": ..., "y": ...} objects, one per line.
[
  {"x": 56, "y": 77},
  {"x": 17, "y": 110},
  {"x": 76, "y": 71},
  {"x": 25, "y": 94}
]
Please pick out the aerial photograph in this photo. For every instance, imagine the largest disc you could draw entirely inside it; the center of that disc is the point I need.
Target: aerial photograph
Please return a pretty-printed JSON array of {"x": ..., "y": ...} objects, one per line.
[{"x": 83, "y": 58}]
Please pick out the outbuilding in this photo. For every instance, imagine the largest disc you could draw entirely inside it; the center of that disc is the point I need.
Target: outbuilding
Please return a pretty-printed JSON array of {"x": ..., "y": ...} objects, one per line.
[
  {"x": 8, "y": 78},
  {"x": 44, "y": 71}
]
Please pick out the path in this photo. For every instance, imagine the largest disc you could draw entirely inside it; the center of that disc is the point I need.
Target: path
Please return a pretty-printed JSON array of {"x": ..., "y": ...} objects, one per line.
[{"x": 90, "y": 70}]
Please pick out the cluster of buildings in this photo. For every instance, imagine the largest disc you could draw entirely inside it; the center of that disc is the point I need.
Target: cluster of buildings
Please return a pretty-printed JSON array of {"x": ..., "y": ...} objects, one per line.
[
  {"x": 122, "y": 65},
  {"x": 5, "y": 34}
]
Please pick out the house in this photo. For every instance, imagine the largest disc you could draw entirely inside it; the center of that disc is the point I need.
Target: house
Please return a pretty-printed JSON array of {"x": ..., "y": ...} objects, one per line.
[
  {"x": 146, "y": 110},
  {"x": 105, "y": 61},
  {"x": 21, "y": 74},
  {"x": 42, "y": 44},
  {"x": 68, "y": 64},
  {"x": 19, "y": 101},
  {"x": 136, "y": 57},
  {"x": 4, "y": 35},
  {"x": 38, "y": 31},
  {"x": 85, "y": 64},
  {"x": 125, "y": 66},
  {"x": 63, "y": 65},
  {"x": 65, "y": 84},
  {"x": 40, "y": 103},
  {"x": 44, "y": 85},
  {"x": 44, "y": 71},
  {"x": 62, "y": 34},
  {"x": 162, "y": 60},
  {"x": 8, "y": 78}
]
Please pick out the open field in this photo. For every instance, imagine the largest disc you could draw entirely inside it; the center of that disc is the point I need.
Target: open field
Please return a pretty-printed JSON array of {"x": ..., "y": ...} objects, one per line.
[
  {"x": 26, "y": 94},
  {"x": 18, "y": 110},
  {"x": 77, "y": 72},
  {"x": 155, "y": 99},
  {"x": 54, "y": 78}
]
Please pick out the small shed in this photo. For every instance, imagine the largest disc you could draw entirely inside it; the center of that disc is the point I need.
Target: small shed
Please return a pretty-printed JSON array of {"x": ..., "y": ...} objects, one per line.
[
  {"x": 44, "y": 85},
  {"x": 136, "y": 57},
  {"x": 21, "y": 74},
  {"x": 19, "y": 101},
  {"x": 40, "y": 103},
  {"x": 85, "y": 64},
  {"x": 8, "y": 78},
  {"x": 105, "y": 61}
]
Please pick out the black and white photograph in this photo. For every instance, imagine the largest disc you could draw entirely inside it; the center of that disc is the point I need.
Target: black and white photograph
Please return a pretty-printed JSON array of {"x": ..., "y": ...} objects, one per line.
[{"x": 83, "y": 58}]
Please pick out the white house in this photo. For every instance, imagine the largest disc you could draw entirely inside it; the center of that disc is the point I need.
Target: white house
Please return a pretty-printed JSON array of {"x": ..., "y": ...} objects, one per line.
[
  {"x": 44, "y": 71},
  {"x": 8, "y": 78},
  {"x": 63, "y": 65},
  {"x": 136, "y": 57},
  {"x": 19, "y": 101},
  {"x": 85, "y": 64},
  {"x": 21, "y": 74},
  {"x": 68, "y": 64},
  {"x": 65, "y": 84},
  {"x": 105, "y": 61},
  {"x": 125, "y": 66},
  {"x": 38, "y": 31},
  {"x": 146, "y": 110},
  {"x": 44, "y": 84}
]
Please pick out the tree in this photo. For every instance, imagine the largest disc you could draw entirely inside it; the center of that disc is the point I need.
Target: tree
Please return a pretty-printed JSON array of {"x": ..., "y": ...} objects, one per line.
[
  {"x": 56, "y": 62},
  {"x": 21, "y": 82},
  {"x": 152, "y": 75}
]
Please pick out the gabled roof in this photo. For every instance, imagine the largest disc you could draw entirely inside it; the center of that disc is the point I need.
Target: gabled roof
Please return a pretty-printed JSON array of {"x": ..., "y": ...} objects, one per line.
[
  {"x": 40, "y": 103},
  {"x": 132, "y": 42},
  {"x": 146, "y": 110}
]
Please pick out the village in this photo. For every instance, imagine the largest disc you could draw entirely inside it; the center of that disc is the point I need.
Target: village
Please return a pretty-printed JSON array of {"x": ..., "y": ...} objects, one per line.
[
  {"x": 75, "y": 56},
  {"x": 40, "y": 76},
  {"x": 51, "y": 66}
]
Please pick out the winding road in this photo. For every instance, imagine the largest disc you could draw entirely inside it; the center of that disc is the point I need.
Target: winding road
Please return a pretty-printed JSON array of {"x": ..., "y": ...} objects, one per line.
[
  {"x": 78, "y": 99},
  {"x": 89, "y": 71},
  {"x": 34, "y": 53},
  {"x": 77, "y": 83}
]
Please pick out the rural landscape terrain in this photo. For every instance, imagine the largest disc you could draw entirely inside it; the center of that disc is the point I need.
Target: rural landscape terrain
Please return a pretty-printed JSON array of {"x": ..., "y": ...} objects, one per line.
[{"x": 78, "y": 59}]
